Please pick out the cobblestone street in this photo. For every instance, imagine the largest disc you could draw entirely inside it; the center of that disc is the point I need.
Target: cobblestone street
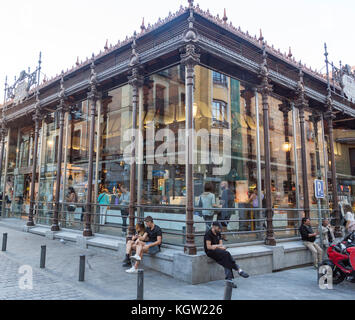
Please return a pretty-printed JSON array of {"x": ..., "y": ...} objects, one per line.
[
  {"x": 45, "y": 288},
  {"x": 105, "y": 279}
]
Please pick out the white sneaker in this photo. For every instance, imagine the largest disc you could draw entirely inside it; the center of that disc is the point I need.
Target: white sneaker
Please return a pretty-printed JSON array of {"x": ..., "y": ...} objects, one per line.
[
  {"x": 136, "y": 257},
  {"x": 132, "y": 270}
]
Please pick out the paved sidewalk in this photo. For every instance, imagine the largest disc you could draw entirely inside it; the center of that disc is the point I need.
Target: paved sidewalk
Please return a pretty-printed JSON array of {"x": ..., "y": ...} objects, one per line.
[{"x": 107, "y": 280}]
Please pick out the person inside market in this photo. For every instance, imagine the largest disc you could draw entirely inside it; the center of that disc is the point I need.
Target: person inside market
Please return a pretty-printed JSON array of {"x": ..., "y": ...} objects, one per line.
[{"x": 214, "y": 248}]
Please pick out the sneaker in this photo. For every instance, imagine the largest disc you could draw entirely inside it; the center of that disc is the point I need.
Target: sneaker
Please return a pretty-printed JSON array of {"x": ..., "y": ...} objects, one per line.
[
  {"x": 136, "y": 257},
  {"x": 243, "y": 274},
  {"x": 132, "y": 270},
  {"x": 127, "y": 264}
]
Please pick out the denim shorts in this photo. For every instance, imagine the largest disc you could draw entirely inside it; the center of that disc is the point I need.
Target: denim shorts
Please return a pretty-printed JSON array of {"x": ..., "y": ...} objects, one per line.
[{"x": 153, "y": 250}]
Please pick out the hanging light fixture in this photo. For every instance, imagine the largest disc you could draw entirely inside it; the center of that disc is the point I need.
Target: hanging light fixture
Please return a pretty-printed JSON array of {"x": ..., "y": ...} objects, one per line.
[{"x": 287, "y": 146}]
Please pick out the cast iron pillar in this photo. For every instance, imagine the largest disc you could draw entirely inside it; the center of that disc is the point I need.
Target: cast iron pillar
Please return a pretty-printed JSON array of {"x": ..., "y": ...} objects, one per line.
[
  {"x": 3, "y": 132},
  {"x": 265, "y": 89},
  {"x": 136, "y": 81},
  {"x": 329, "y": 117},
  {"x": 315, "y": 118},
  {"x": 92, "y": 97},
  {"x": 189, "y": 59},
  {"x": 301, "y": 103},
  {"x": 37, "y": 117},
  {"x": 285, "y": 108},
  {"x": 61, "y": 109}
]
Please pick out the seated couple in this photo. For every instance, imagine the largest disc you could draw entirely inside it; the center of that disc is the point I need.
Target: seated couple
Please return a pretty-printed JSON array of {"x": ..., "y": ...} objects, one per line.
[{"x": 146, "y": 240}]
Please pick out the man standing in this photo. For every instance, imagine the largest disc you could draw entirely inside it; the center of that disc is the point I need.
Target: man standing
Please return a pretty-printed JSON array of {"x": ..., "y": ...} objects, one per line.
[
  {"x": 150, "y": 244},
  {"x": 227, "y": 201},
  {"x": 215, "y": 250},
  {"x": 124, "y": 200},
  {"x": 309, "y": 238}
]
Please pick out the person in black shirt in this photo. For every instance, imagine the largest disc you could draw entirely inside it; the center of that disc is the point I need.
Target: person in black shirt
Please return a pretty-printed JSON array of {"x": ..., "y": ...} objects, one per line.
[
  {"x": 150, "y": 243},
  {"x": 214, "y": 249},
  {"x": 309, "y": 238}
]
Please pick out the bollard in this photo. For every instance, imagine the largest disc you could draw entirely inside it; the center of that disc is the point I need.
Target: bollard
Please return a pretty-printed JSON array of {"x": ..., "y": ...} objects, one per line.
[
  {"x": 82, "y": 268},
  {"x": 228, "y": 290},
  {"x": 4, "y": 242},
  {"x": 43, "y": 257},
  {"x": 140, "y": 285}
]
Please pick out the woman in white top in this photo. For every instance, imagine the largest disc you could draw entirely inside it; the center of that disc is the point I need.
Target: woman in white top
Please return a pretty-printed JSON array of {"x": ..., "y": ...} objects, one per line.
[
  {"x": 349, "y": 218},
  {"x": 208, "y": 201}
]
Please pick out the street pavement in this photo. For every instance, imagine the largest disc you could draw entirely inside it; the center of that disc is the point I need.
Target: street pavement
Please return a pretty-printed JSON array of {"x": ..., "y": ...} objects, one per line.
[{"x": 105, "y": 279}]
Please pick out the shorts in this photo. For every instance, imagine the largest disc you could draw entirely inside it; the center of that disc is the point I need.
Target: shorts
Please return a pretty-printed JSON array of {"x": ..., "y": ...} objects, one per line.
[{"x": 153, "y": 250}]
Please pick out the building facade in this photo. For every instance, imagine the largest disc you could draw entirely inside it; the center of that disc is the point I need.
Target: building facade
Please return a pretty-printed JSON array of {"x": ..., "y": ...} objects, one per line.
[{"x": 187, "y": 102}]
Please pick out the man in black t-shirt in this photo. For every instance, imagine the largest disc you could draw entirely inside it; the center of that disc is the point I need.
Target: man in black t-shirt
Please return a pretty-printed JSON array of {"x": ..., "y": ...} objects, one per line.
[
  {"x": 151, "y": 243},
  {"x": 214, "y": 249}
]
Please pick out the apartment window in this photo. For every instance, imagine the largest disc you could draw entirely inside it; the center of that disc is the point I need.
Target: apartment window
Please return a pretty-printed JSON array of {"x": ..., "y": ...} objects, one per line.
[
  {"x": 219, "y": 112},
  {"x": 219, "y": 78}
]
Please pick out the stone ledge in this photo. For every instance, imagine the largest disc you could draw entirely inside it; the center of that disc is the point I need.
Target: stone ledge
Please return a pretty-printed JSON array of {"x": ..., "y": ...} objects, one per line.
[{"x": 255, "y": 259}]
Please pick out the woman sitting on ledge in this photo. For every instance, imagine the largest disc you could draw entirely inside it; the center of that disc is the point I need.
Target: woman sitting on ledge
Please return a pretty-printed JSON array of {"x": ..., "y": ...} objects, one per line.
[{"x": 149, "y": 243}]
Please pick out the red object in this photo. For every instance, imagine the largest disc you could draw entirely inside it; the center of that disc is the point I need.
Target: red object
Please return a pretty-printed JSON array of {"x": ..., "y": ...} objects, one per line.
[{"x": 344, "y": 258}]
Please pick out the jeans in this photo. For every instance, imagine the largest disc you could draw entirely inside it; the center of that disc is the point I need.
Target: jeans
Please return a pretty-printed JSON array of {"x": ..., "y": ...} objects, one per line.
[
  {"x": 103, "y": 212},
  {"x": 124, "y": 214},
  {"x": 229, "y": 272},
  {"x": 208, "y": 220}
]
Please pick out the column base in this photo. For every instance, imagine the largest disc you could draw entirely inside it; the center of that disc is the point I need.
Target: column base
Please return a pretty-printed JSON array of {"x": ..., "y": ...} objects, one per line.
[
  {"x": 190, "y": 250},
  {"x": 30, "y": 224},
  {"x": 55, "y": 228},
  {"x": 87, "y": 233},
  {"x": 270, "y": 241}
]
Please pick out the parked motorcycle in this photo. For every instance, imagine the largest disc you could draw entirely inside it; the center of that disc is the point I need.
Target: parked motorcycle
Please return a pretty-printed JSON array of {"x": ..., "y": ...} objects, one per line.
[{"x": 342, "y": 259}]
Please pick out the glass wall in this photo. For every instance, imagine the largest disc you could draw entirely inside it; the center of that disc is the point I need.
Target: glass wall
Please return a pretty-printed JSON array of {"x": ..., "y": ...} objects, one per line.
[
  {"x": 48, "y": 145},
  {"x": 75, "y": 164},
  {"x": 226, "y": 150},
  {"x": 344, "y": 149}
]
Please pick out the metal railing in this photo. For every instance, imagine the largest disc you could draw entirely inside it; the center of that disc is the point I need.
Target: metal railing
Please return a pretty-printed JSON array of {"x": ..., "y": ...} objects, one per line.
[{"x": 256, "y": 226}]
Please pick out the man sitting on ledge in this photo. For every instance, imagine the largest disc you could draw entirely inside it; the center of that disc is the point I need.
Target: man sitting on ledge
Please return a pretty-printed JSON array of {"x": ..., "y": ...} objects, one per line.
[
  {"x": 150, "y": 243},
  {"x": 309, "y": 238},
  {"x": 215, "y": 250}
]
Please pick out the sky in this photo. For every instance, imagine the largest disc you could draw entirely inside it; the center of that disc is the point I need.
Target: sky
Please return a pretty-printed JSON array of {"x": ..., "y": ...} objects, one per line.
[{"x": 63, "y": 30}]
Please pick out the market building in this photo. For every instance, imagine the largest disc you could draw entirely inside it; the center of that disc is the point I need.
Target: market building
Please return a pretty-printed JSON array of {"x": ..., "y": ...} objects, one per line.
[{"x": 190, "y": 87}]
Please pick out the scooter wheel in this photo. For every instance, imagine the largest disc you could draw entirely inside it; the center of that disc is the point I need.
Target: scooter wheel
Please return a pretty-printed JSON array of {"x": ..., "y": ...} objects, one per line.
[{"x": 338, "y": 275}]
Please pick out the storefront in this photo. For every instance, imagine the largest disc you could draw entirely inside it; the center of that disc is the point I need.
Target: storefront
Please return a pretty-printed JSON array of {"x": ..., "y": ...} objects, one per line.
[{"x": 194, "y": 101}]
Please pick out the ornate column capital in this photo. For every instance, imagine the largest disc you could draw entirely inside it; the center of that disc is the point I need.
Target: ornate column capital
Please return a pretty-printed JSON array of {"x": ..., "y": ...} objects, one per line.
[
  {"x": 62, "y": 105},
  {"x": 265, "y": 88},
  {"x": 301, "y": 102},
  {"x": 93, "y": 94},
  {"x": 315, "y": 117},
  {"x": 135, "y": 79},
  {"x": 190, "y": 57},
  {"x": 38, "y": 114},
  {"x": 285, "y": 107}
]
